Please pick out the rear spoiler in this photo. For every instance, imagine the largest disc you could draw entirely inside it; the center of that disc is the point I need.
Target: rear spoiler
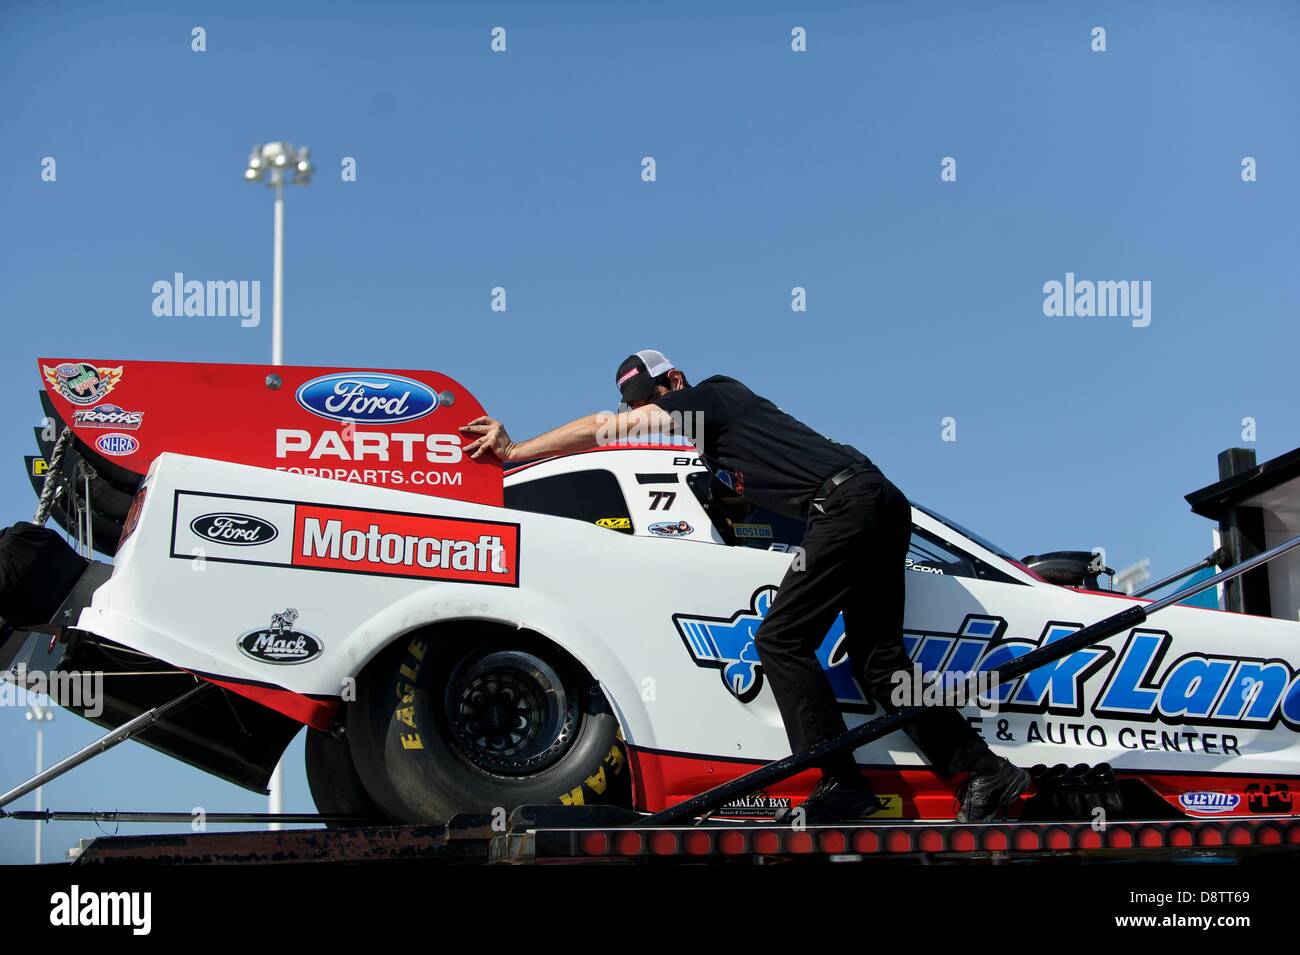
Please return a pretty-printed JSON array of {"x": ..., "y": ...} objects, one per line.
[{"x": 395, "y": 429}]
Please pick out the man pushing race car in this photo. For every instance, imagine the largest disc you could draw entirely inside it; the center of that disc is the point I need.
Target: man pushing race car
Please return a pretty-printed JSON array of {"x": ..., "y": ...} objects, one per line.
[{"x": 858, "y": 529}]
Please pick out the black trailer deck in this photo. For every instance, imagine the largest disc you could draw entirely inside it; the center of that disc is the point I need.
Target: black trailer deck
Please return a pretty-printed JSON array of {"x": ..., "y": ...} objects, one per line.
[{"x": 569, "y": 835}]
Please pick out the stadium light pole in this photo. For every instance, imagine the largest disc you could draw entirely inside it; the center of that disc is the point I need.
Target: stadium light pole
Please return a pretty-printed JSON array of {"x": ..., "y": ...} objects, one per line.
[
  {"x": 40, "y": 716},
  {"x": 271, "y": 163}
]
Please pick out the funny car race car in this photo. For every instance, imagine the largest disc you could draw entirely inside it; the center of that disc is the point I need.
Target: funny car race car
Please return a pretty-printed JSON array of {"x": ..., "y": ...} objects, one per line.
[{"x": 574, "y": 630}]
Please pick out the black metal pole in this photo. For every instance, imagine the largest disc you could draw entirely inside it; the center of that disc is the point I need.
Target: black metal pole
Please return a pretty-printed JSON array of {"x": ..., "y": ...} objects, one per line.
[
  {"x": 867, "y": 732},
  {"x": 132, "y": 727},
  {"x": 212, "y": 818},
  {"x": 1219, "y": 557}
]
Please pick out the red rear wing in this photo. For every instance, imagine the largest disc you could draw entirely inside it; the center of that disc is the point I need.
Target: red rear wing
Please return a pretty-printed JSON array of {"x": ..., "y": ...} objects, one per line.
[{"x": 393, "y": 429}]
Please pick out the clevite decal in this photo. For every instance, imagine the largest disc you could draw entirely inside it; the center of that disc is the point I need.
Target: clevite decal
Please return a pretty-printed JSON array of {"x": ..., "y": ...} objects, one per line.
[{"x": 1209, "y": 803}]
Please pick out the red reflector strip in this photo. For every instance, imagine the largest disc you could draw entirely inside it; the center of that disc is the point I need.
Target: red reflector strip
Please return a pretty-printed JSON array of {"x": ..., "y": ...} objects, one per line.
[
  {"x": 912, "y": 838},
  {"x": 595, "y": 843}
]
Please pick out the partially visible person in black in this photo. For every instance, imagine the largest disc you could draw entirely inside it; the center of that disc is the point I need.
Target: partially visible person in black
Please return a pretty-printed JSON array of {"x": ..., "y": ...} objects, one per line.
[{"x": 853, "y": 561}]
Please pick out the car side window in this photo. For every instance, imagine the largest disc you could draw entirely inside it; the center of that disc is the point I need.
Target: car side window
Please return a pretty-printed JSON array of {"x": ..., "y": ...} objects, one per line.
[
  {"x": 929, "y": 554},
  {"x": 741, "y": 523},
  {"x": 768, "y": 530},
  {"x": 593, "y": 497}
]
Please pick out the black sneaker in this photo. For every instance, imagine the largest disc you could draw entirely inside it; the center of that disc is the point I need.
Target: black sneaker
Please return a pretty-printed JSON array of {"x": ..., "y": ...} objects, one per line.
[
  {"x": 987, "y": 796},
  {"x": 832, "y": 801}
]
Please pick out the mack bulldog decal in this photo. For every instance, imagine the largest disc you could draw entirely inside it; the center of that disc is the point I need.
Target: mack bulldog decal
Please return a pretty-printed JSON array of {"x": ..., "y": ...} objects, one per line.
[{"x": 280, "y": 643}]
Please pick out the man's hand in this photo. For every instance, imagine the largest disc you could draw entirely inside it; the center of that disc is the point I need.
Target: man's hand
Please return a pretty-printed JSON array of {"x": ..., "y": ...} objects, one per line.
[
  {"x": 492, "y": 437},
  {"x": 582, "y": 434}
]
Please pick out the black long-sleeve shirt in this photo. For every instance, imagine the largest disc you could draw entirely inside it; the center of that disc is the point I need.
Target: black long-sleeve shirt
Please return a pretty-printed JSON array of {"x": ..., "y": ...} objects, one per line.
[{"x": 756, "y": 448}]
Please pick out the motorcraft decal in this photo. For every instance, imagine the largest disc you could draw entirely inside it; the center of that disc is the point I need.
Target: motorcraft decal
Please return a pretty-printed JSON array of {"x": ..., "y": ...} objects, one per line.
[{"x": 326, "y": 537}]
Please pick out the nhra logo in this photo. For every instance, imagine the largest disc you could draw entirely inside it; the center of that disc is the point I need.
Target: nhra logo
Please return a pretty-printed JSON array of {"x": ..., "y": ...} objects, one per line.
[
  {"x": 117, "y": 445},
  {"x": 1208, "y": 803},
  {"x": 367, "y": 398},
  {"x": 108, "y": 416},
  {"x": 239, "y": 530},
  {"x": 280, "y": 643},
  {"x": 81, "y": 382}
]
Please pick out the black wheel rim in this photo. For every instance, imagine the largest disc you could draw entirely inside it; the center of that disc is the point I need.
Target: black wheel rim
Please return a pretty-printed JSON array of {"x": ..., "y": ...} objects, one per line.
[{"x": 510, "y": 712}]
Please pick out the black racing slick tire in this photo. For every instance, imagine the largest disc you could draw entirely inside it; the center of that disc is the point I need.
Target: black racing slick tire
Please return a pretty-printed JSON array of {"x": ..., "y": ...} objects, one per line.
[
  {"x": 336, "y": 789},
  {"x": 487, "y": 720},
  {"x": 367, "y": 718}
]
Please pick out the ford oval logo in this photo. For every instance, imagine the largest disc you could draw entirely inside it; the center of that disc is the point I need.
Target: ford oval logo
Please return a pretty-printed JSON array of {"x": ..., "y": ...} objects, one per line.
[
  {"x": 367, "y": 397},
  {"x": 239, "y": 530}
]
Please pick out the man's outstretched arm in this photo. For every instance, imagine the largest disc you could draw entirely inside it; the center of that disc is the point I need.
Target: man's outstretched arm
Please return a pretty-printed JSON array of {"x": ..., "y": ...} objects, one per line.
[{"x": 582, "y": 434}]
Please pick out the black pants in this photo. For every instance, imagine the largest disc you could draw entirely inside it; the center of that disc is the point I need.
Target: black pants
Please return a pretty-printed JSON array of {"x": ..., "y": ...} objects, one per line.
[{"x": 852, "y": 562}]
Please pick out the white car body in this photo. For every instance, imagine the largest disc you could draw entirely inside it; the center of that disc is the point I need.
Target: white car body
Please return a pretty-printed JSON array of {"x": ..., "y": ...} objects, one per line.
[{"x": 1199, "y": 702}]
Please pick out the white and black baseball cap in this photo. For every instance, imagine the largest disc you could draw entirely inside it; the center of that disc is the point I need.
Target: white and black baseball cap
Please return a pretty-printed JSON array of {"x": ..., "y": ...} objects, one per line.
[{"x": 636, "y": 375}]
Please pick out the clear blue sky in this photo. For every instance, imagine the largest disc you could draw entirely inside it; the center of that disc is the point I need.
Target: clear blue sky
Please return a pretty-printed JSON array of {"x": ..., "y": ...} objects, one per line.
[{"x": 775, "y": 170}]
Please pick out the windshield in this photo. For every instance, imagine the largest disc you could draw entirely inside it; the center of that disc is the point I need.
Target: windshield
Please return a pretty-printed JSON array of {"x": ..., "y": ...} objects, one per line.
[{"x": 986, "y": 544}]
